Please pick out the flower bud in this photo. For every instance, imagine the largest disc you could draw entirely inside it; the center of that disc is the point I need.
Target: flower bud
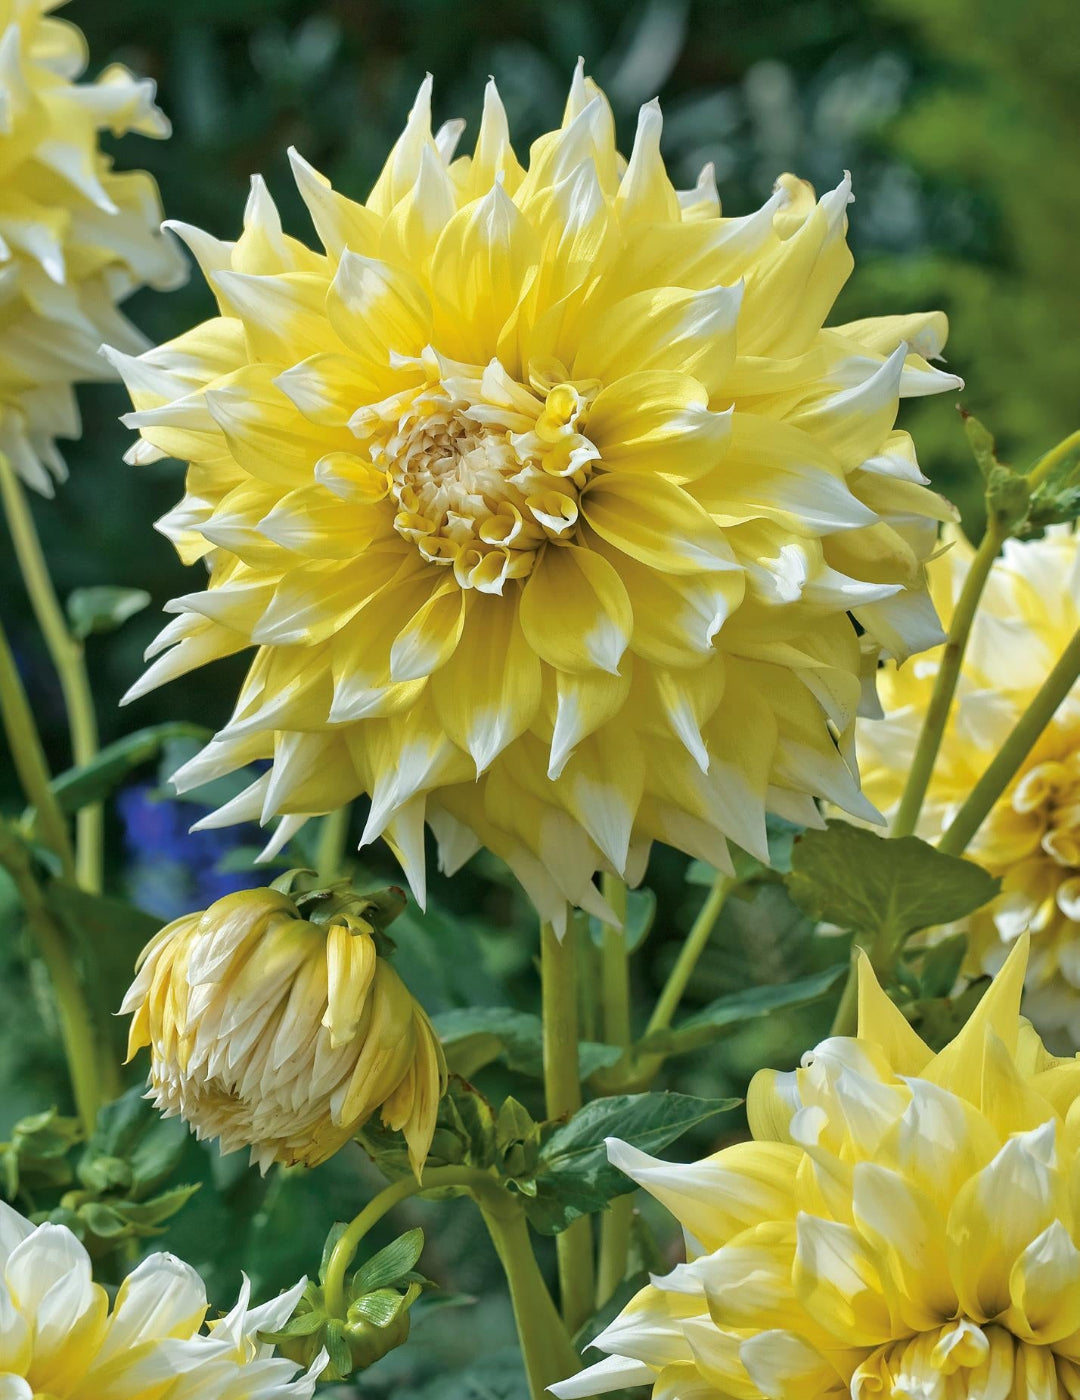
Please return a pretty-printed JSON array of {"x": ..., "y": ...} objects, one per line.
[{"x": 272, "y": 1031}]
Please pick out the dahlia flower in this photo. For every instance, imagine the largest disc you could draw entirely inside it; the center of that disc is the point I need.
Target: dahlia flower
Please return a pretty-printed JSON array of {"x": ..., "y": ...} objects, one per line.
[
  {"x": 76, "y": 236},
  {"x": 545, "y": 500},
  {"x": 282, "y": 1035},
  {"x": 60, "y": 1340},
  {"x": 903, "y": 1224},
  {"x": 1029, "y": 611}
]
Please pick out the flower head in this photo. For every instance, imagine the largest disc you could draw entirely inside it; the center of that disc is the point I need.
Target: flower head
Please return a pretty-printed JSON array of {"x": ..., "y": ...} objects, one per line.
[
  {"x": 545, "y": 500},
  {"x": 60, "y": 1340},
  {"x": 76, "y": 236},
  {"x": 1031, "y": 839},
  {"x": 903, "y": 1224},
  {"x": 273, "y": 1032}
]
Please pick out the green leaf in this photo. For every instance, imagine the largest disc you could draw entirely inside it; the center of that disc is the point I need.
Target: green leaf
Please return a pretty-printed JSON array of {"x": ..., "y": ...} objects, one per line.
[
  {"x": 728, "y": 1013},
  {"x": 1007, "y": 491},
  {"x": 575, "y": 1177},
  {"x": 883, "y": 890},
  {"x": 380, "y": 1307},
  {"x": 103, "y": 608},
  {"x": 474, "y": 1036},
  {"x": 103, "y": 1220},
  {"x": 93, "y": 782},
  {"x": 146, "y": 1215},
  {"x": 389, "y": 1264}
]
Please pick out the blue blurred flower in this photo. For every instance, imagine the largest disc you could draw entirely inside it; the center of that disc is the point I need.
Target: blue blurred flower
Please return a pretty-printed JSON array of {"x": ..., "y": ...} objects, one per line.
[{"x": 171, "y": 870}]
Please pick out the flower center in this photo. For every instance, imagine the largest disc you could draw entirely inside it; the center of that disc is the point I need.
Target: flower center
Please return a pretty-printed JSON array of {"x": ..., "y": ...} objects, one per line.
[{"x": 483, "y": 471}]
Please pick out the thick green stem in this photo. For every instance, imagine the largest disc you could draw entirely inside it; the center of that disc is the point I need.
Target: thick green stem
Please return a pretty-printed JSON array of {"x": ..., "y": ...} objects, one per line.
[
  {"x": 700, "y": 932},
  {"x": 615, "y": 1002},
  {"x": 937, "y": 713},
  {"x": 1013, "y": 752},
  {"x": 76, "y": 1025},
  {"x": 545, "y": 1345},
  {"x": 562, "y": 1092},
  {"x": 29, "y": 759},
  {"x": 333, "y": 834},
  {"x": 70, "y": 663},
  {"x": 545, "y": 1342}
]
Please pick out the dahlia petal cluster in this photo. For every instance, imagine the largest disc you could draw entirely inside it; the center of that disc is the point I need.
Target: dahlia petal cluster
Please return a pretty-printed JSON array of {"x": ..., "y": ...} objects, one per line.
[
  {"x": 546, "y": 501},
  {"x": 1029, "y": 611},
  {"x": 271, "y": 1032},
  {"x": 903, "y": 1224},
  {"x": 61, "y": 1340},
  {"x": 76, "y": 236}
]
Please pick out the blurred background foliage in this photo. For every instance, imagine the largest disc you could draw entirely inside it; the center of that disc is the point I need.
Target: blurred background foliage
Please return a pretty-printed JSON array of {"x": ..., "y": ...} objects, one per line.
[{"x": 960, "y": 121}]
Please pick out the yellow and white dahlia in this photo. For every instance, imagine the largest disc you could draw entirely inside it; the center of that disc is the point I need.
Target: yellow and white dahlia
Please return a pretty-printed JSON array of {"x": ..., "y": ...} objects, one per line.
[
  {"x": 546, "y": 501},
  {"x": 1028, "y": 613},
  {"x": 279, "y": 1034},
  {"x": 904, "y": 1224},
  {"x": 76, "y": 236},
  {"x": 60, "y": 1340}
]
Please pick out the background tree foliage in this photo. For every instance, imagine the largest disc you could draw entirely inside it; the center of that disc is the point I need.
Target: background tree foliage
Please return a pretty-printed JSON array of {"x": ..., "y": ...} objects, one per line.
[{"x": 961, "y": 124}]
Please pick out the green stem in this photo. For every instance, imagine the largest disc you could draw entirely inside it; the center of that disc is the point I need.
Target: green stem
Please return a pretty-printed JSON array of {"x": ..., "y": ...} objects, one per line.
[
  {"x": 76, "y": 1026},
  {"x": 562, "y": 1092},
  {"x": 546, "y": 1349},
  {"x": 615, "y": 1003},
  {"x": 29, "y": 759},
  {"x": 1046, "y": 464},
  {"x": 679, "y": 977},
  {"x": 70, "y": 663},
  {"x": 1013, "y": 752},
  {"x": 333, "y": 834},
  {"x": 937, "y": 714}
]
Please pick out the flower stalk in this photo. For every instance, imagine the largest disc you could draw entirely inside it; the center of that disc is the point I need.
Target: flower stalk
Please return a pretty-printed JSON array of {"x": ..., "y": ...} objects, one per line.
[
  {"x": 546, "y": 1349},
  {"x": 937, "y": 713},
  {"x": 94, "y": 1075},
  {"x": 29, "y": 759},
  {"x": 1015, "y": 749},
  {"x": 562, "y": 1094},
  {"x": 615, "y": 1004},
  {"x": 69, "y": 659}
]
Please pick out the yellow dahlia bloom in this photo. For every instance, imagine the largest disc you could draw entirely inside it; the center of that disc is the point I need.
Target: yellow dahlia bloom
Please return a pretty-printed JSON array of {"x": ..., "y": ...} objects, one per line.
[
  {"x": 904, "y": 1224},
  {"x": 282, "y": 1035},
  {"x": 546, "y": 501},
  {"x": 76, "y": 236},
  {"x": 60, "y": 1340},
  {"x": 1029, "y": 611}
]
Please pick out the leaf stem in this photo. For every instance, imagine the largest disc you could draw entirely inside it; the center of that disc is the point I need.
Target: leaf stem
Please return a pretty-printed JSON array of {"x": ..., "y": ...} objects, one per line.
[
  {"x": 615, "y": 1000},
  {"x": 1012, "y": 753},
  {"x": 29, "y": 759},
  {"x": 69, "y": 660},
  {"x": 700, "y": 932},
  {"x": 562, "y": 1093},
  {"x": 937, "y": 713},
  {"x": 546, "y": 1348},
  {"x": 76, "y": 1026}
]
